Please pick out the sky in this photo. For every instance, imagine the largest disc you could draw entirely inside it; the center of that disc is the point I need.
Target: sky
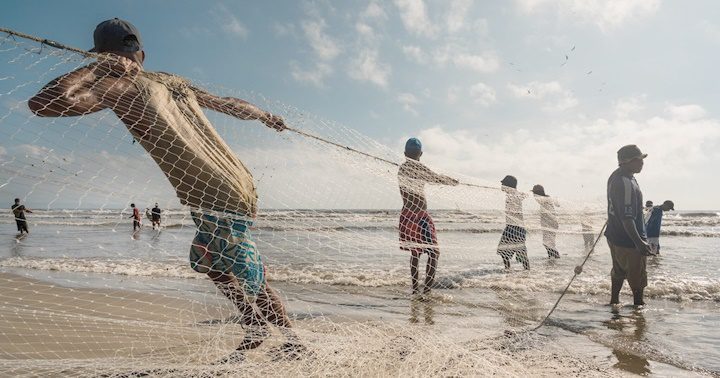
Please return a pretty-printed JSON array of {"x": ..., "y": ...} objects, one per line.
[{"x": 544, "y": 90}]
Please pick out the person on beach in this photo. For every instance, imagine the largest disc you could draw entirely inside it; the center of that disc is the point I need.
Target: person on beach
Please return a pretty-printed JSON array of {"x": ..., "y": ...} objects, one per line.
[
  {"x": 512, "y": 241},
  {"x": 417, "y": 230},
  {"x": 155, "y": 216},
  {"x": 163, "y": 112},
  {"x": 625, "y": 231},
  {"x": 135, "y": 217},
  {"x": 19, "y": 214},
  {"x": 548, "y": 220},
  {"x": 653, "y": 223}
]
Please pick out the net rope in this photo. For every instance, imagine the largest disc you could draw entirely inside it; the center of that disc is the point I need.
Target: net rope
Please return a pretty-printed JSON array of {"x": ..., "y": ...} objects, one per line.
[{"x": 83, "y": 296}]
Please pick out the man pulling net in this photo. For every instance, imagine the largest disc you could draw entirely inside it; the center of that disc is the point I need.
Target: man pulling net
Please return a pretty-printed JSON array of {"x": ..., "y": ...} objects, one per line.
[{"x": 164, "y": 114}]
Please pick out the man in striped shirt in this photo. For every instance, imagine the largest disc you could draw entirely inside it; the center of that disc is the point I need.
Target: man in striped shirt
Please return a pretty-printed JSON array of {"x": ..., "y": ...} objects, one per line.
[{"x": 625, "y": 228}]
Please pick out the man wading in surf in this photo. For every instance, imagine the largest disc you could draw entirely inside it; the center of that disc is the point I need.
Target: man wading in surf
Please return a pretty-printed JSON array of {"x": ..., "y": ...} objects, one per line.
[{"x": 164, "y": 114}]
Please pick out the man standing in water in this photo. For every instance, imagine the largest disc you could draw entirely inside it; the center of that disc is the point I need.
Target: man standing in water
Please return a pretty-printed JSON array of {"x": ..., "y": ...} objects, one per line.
[
  {"x": 135, "y": 217},
  {"x": 19, "y": 213},
  {"x": 417, "y": 230},
  {"x": 625, "y": 228},
  {"x": 164, "y": 114},
  {"x": 653, "y": 223},
  {"x": 512, "y": 241},
  {"x": 548, "y": 220},
  {"x": 155, "y": 216}
]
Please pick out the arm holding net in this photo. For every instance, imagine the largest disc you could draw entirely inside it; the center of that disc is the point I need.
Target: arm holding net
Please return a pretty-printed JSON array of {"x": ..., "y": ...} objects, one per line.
[{"x": 238, "y": 108}]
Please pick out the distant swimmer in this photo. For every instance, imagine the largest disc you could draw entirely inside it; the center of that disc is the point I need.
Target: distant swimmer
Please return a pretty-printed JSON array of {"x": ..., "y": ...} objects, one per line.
[
  {"x": 513, "y": 237},
  {"x": 164, "y": 114},
  {"x": 625, "y": 228},
  {"x": 135, "y": 217},
  {"x": 155, "y": 216},
  {"x": 417, "y": 230},
  {"x": 19, "y": 213},
  {"x": 652, "y": 225},
  {"x": 548, "y": 220}
]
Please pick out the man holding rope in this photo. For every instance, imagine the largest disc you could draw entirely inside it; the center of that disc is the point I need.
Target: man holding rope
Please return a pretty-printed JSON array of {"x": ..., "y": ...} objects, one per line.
[
  {"x": 164, "y": 114},
  {"x": 625, "y": 227}
]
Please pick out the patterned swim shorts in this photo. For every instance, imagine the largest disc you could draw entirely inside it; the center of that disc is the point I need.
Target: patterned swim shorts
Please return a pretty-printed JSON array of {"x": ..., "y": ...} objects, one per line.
[{"x": 224, "y": 244}]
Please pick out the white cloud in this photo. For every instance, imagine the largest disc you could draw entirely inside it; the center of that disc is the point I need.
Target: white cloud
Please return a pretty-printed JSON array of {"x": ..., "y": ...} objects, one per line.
[
  {"x": 367, "y": 67},
  {"x": 625, "y": 107},
  {"x": 229, "y": 23},
  {"x": 452, "y": 94},
  {"x": 571, "y": 156},
  {"x": 374, "y": 11},
  {"x": 483, "y": 94},
  {"x": 324, "y": 46},
  {"x": 283, "y": 30},
  {"x": 686, "y": 113},
  {"x": 408, "y": 100},
  {"x": 415, "y": 53},
  {"x": 364, "y": 30},
  {"x": 315, "y": 76},
  {"x": 606, "y": 14},
  {"x": 457, "y": 13},
  {"x": 481, "y": 63},
  {"x": 552, "y": 94},
  {"x": 415, "y": 18},
  {"x": 710, "y": 29}
]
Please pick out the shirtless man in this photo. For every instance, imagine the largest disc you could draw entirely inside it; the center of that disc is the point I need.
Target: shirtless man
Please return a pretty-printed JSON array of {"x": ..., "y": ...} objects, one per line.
[
  {"x": 417, "y": 231},
  {"x": 164, "y": 114}
]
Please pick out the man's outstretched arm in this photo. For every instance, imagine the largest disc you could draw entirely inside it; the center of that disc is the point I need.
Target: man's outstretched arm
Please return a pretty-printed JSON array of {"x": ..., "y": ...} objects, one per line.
[{"x": 238, "y": 108}]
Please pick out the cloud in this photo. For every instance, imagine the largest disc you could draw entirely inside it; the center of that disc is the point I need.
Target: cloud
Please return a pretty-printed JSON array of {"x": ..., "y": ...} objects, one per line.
[
  {"x": 628, "y": 106},
  {"x": 483, "y": 94},
  {"x": 415, "y": 53},
  {"x": 408, "y": 100},
  {"x": 374, "y": 11},
  {"x": 283, "y": 30},
  {"x": 365, "y": 30},
  {"x": 710, "y": 29},
  {"x": 481, "y": 63},
  {"x": 415, "y": 18},
  {"x": 606, "y": 14},
  {"x": 229, "y": 23},
  {"x": 686, "y": 113},
  {"x": 324, "y": 46},
  {"x": 315, "y": 76},
  {"x": 367, "y": 67},
  {"x": 457, "y": 14},
  {"x": 582, "y": 154},
  {"x": 552, "y": 94}
]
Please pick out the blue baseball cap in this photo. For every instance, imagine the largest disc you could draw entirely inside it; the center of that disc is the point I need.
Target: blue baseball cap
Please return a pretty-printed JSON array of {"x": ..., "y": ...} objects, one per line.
[
  {"x": 413, "y": 145},
  {"x": 116, "y": 35}
]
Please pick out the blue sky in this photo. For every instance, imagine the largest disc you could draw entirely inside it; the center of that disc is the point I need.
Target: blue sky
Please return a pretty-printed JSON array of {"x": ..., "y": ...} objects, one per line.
[{"x": 545, "y": 90}]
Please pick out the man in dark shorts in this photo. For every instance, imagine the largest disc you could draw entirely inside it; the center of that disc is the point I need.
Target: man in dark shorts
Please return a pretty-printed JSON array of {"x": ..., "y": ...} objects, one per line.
[
  {"x": 548, "y": 220},
  {"x": 155, "y": 216},
  {"x": 512, "y": 241},
  {"x": 625, "y": 228},
  {"x": 19, "y": 213},
  {"x": 417, "y": 230},
  {"x": 135, "y": 217}
]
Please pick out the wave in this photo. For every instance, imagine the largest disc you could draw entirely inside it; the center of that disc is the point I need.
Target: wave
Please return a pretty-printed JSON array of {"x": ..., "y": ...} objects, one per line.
[{"x": 675, "y": 287}]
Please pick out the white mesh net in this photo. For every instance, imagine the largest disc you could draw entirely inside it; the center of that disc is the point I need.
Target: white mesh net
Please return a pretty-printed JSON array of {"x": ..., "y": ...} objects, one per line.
[{"x": 86, "y": 295}]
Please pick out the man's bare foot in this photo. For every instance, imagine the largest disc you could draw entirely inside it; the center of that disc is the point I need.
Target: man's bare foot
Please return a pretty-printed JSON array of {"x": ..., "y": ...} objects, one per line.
[
  {"x": 236, "y": 357},
  {"x": 288, "y": 351},
  {"x": 254, "y": 337}
]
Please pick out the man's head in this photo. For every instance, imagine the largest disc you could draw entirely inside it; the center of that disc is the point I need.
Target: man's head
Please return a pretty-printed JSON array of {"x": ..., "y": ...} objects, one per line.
[
  {"x": 539, "y": 190},
  {"x": 119, "y": 37},
  {"x": 156, "y": 205},
  {"x": 132, "y": 205},
  {"x": 509, "y": 181},
  {"x": 648, "y": 203},
  {"x": 17, "y": 200},
  {"x": 668, "y": 205},
  {"x": 413, "y": 148},
  {"x": 631, "y": 158}
]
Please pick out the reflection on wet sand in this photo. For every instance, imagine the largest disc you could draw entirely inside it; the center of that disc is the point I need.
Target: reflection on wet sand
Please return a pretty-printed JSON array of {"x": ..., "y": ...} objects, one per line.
[
  {"x": 424, "y": 305},
  {"x": 631, "y": 330}
]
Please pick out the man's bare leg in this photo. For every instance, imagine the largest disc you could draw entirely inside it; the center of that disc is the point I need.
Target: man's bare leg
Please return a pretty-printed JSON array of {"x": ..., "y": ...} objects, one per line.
[
  {"x": 257, "y": 330},
  {"x": 430, "y": 269},
  {"x": 414, "y": 275}
]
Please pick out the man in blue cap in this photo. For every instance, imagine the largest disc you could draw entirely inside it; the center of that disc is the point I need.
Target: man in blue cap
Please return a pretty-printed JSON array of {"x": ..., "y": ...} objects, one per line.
[
  {"x": 164, "y": 113},
  {"x": 625, "y": 227},
  {"x": 417, "y": 230}
]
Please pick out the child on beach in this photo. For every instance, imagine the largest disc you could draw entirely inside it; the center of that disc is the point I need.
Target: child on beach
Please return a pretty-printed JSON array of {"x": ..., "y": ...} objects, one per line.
[
  {"x": 417, "y": 230},
  {"x": 512, "y": 241},
  {"x": 164, "y": 114}
]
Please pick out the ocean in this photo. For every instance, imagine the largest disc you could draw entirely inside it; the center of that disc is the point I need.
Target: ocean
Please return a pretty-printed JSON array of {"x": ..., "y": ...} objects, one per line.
[{"x": 345, "y": 266}]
